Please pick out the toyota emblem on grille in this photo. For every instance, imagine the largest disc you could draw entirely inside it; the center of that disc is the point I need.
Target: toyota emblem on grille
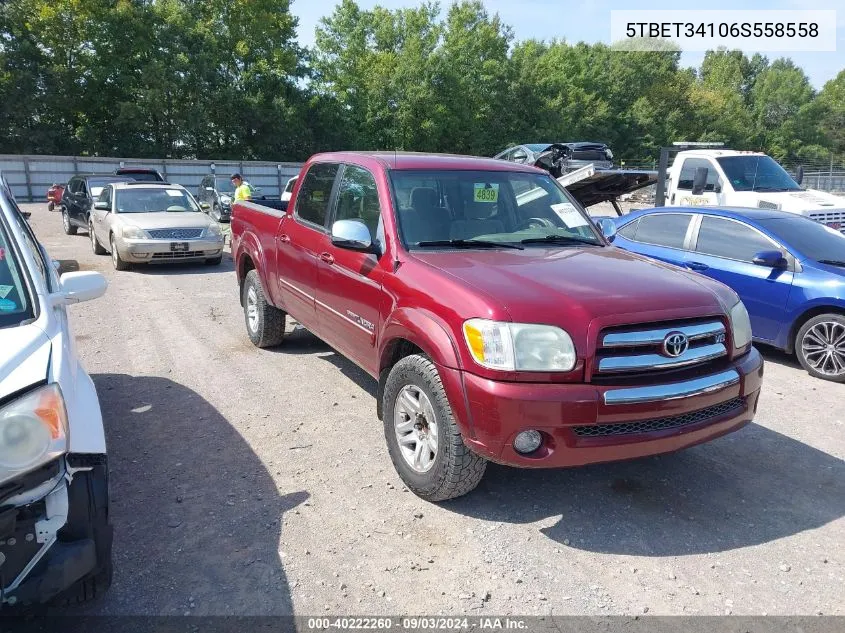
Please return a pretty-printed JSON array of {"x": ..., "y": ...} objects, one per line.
[{"x": 675, "y": 344}]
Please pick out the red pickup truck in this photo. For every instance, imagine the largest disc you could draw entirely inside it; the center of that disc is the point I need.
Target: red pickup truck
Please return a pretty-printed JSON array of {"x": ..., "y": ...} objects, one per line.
[{"x": 499, "y": 321}]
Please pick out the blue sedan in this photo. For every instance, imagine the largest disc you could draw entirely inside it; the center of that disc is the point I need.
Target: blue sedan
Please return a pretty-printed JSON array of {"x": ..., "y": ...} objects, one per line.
[{"x": 788, "y": 270}]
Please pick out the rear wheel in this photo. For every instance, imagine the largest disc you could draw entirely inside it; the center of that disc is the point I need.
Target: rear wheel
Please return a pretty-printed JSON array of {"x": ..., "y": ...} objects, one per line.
[
  {"x": 820, "y": 347},
  {"x": 95, "y": 243},
  {"x": 423, "y": 439},
  {"x": 69, "y": 228},
  {"x": 116, "y": 260},
  {"x": 265, "y": 323}
]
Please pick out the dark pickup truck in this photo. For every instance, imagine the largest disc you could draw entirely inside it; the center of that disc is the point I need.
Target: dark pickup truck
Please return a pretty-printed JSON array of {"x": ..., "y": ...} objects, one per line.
[{"x": 499, "y": 322}]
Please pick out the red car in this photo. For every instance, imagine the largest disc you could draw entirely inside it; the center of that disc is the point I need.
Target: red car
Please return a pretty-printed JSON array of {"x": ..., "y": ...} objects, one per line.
[
  {"x": 499, "y": 322},
  {"x": 54, "y": 196}
]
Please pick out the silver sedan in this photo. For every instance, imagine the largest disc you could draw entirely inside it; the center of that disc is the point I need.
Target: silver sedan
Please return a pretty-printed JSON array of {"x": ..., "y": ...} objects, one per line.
[{"x": 142, "y": 223}]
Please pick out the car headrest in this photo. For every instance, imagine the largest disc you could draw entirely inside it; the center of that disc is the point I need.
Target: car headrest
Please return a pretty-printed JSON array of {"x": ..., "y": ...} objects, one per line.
[{"x": 423, "y": 197}]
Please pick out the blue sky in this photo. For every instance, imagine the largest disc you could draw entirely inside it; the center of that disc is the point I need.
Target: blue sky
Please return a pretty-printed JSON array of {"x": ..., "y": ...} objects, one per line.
[{"x": 589, "y": 20}]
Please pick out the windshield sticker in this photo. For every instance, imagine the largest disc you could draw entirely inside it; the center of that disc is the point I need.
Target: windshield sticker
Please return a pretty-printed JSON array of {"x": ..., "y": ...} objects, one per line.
[
  {"x": 486, "y": 192},
  {"x": 569, "y": 215},
  {"x": 174, "y": 193},
  {"x": 5, "y": 290},
  {"x": 7, "y": 305}
]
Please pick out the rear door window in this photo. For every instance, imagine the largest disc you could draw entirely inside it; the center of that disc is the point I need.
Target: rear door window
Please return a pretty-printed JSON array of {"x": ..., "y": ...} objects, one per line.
[
  {"x": 312, "y": 201},
  {"x": 663, "y": 229}
]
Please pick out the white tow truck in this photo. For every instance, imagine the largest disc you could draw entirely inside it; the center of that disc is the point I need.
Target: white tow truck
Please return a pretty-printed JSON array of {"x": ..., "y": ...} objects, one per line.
[{"x": 730, "y": 178}]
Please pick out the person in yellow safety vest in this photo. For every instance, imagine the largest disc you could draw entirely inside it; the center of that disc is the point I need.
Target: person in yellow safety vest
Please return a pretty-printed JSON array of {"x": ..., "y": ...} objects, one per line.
[{"x": 242, "y": 188}]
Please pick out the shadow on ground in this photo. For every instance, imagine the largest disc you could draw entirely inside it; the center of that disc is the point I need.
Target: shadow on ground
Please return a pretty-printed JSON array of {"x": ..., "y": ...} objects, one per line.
[
  {"x": 778, "y": 356},
  {"x": 748, "y": 488},
  {"x": 197, "y": 515}
]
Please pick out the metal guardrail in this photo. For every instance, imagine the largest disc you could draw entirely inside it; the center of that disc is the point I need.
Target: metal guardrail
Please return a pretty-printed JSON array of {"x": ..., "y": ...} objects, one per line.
[{"x": 29, "y": 176}]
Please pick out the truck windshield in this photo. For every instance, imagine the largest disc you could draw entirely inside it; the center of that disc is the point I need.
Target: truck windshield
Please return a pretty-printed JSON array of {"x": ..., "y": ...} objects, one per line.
[
  {"x": 756, "y": 173},
  {"x": 816, "y": 241},
  {"x": 153, "y": 200},
  {"x": 15, "y": 304},
  {"x": 438, "y": 209}
]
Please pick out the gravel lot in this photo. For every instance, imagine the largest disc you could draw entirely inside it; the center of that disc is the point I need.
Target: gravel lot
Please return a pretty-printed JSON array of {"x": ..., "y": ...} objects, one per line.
[{"x": 257, "y": 482}]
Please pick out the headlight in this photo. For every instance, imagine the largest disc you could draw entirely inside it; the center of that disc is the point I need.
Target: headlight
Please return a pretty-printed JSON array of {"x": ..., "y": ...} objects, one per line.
[
  {"x": 213, "y": 230},
  {"x": 133, "y": 233},
  {"x": 33, "y": 430},
  {"x": 740, "y": 325},
  {"x": 519, "y": 346},
  {"x": 225, "y": 200}
]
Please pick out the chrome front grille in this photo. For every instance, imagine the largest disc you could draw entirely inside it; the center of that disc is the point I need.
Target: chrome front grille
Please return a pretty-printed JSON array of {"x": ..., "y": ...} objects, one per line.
[
  {"x": 661, "y": 424},
  {"x": 642, "y": 349},
  {"x": 175, "y": 234}
]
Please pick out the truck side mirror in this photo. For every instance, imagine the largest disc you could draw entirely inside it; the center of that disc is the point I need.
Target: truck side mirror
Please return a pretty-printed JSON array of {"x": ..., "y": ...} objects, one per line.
[
  {"x": 352, "y": 235},
  {"x": 700, "y": 181},
  {"x": 771, "y": 259},
  {"x": 799, "y": 177}
]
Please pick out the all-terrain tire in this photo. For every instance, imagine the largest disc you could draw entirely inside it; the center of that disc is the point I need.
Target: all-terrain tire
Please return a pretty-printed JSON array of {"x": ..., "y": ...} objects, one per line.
[
  {"x": 456, "y": 470},
  {"x": 265, "y": 323}
]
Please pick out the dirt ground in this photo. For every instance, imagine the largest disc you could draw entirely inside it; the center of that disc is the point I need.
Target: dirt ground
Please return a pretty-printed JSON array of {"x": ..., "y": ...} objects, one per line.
[{"x": 257, "y": 482}]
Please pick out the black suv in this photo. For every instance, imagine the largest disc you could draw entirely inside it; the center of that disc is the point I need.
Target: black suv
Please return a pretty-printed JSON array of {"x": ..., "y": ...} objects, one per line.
[
  {"x": 217, "y": 192},
  {"x": 78, "y": 199}
]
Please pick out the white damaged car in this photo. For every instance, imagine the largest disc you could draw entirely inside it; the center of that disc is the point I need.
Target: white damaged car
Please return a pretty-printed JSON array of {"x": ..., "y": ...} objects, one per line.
[{"x": 55, "y": 536}]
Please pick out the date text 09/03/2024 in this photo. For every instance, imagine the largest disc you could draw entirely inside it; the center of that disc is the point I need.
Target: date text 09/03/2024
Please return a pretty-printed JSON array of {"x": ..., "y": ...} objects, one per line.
[{"x": 416, "y": 623}]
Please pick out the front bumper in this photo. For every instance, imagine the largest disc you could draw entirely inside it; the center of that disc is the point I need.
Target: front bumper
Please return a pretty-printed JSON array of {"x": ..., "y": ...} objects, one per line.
[
  {"x": 41, "y": 550},
  {"x": 588, "y": 423},
  {"x": 160, "y": 251}
]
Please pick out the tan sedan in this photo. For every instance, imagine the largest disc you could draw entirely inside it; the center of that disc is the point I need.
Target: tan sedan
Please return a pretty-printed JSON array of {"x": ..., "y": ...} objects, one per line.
[{"x": 143, "y": 223}]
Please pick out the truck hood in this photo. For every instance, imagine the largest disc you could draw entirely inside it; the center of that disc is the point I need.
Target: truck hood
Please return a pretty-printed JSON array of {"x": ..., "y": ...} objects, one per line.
[
  {"x": 793, "y": 201},
  {"x": 579, "y": 284},
  {"x": 25, "y": 358}
]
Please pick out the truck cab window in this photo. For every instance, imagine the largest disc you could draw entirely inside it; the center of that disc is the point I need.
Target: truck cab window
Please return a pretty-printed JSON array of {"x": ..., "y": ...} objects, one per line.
[
  {"x": 312, "y": 202},
  {"x": 357, "y": 198},
  {"x": 685, "y": 181}
]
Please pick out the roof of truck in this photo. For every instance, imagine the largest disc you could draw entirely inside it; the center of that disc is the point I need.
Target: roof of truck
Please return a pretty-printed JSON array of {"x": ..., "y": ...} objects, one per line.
[
  {"x": 420, "y": 160},
  {"x": 720, "y": 153}
]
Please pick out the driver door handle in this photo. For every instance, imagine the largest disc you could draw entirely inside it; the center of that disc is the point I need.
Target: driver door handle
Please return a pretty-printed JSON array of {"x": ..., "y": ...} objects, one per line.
[
  {"x": 284, "y": 239},
  {"x": 327, "y": 257},
  {"x": 698, "y": 266}
]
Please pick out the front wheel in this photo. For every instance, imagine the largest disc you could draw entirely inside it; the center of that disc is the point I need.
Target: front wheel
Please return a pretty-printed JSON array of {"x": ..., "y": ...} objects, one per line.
[
  {"x": 116, "y": 259},
  {"x": 423, "y": 439},
  {"x": 265, "y": 323},
  {"x": 95, "y": 243},
  {"x": 820, "y": 347}
]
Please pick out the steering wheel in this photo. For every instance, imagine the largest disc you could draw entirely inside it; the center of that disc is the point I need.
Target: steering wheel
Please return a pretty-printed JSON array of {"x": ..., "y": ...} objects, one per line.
[{"x": 535, "y": 223}]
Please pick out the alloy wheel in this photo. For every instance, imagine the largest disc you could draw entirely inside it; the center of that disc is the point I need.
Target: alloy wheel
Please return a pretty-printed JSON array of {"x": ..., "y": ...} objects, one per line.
[
  {"x": 252, "y": 309},
  {"x": 823, "y": 347},
  {"x": 416, "y": 428}
]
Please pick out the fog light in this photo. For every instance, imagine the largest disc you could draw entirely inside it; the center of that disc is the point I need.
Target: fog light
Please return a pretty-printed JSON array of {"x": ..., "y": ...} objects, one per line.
[{"x": 527, "y": 442}]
